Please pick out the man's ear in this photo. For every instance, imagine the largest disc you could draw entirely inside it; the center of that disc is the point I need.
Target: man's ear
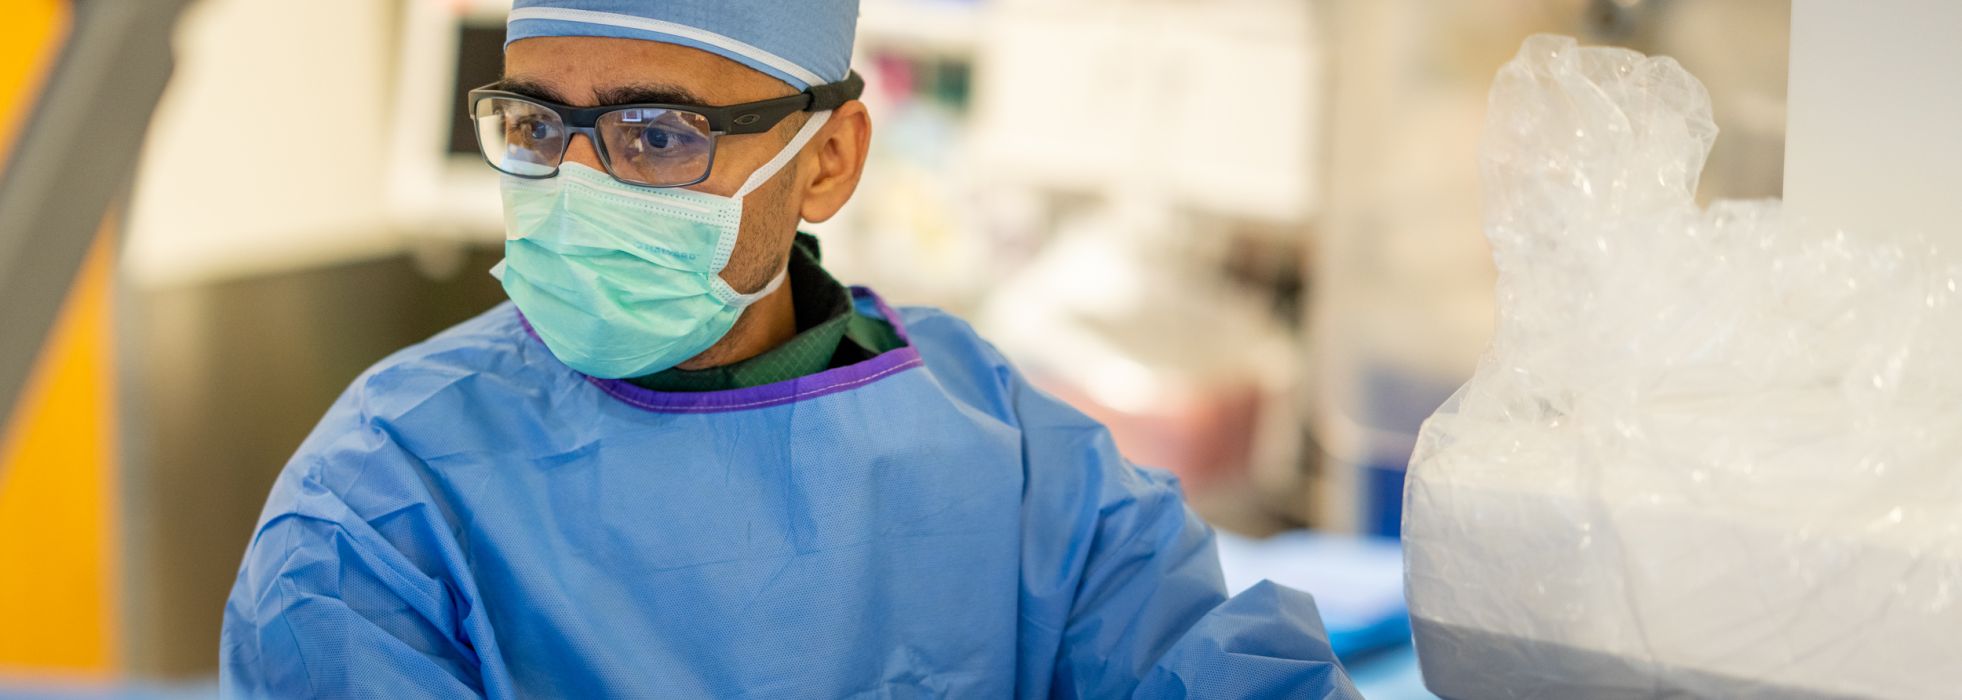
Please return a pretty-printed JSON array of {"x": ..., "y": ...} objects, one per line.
[{"x": 837, "y": 161}]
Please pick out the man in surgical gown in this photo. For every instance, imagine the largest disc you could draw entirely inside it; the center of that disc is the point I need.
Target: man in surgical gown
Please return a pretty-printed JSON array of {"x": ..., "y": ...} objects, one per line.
[{"x": 686, "y": 462}]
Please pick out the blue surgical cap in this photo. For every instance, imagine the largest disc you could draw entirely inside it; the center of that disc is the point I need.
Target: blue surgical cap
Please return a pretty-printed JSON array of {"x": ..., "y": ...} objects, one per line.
[{"x": 801, "y": 42}]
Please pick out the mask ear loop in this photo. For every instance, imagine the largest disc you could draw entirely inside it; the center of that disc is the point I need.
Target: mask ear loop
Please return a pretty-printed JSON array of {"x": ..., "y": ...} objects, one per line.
[
  {"x": 762, "y": 175},
  {"x": 738, "y": 300},
  {"x": 756, "y": 179},
  {"x": 796, "y": 145}
]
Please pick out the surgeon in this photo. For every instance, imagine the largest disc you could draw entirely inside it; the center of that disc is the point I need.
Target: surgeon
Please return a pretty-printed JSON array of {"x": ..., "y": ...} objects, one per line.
[{"x": 684, "y": 461}]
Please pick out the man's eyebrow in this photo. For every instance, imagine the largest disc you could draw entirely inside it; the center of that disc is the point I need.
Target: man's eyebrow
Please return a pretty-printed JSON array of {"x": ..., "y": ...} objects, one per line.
[
  {"x": 529, "y": 88},
  {"x": 634, "y": 93},
  {"x": 642, "y": 93}
]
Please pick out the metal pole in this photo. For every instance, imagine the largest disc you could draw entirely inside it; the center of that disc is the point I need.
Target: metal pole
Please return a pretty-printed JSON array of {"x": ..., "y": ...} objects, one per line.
[{"x": 71, "y": 161}]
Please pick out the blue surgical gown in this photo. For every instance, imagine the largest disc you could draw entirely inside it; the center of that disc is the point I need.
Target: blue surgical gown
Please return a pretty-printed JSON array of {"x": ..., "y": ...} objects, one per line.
[{"x": 473, "y": 518}]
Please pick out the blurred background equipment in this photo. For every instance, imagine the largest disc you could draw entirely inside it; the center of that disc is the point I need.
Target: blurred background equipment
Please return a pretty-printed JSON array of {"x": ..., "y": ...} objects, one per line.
[
  {"x": 1244, "y": 234},
  {"x": 75, "y": 77}
]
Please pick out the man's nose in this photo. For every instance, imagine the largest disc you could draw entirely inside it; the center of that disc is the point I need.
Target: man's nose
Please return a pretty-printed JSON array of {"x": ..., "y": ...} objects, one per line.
[{"x": 582, "y": 151}]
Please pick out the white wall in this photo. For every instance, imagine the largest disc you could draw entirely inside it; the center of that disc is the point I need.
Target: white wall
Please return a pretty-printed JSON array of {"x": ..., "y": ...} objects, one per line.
[
  {"x": 1874, "y": 137},
  {"x": 1213, "y": 104},
  {"x": 267, "y": 150}
]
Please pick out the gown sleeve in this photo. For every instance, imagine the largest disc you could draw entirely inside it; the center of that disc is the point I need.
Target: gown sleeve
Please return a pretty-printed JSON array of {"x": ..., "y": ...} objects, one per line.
[
  {"x": 1122, "y": 585},
  {"x": 345, "y": 597}
]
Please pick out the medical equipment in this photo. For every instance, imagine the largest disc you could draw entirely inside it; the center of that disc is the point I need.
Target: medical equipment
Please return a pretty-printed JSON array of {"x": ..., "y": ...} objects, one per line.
[{"x": 1710, "y": 452}]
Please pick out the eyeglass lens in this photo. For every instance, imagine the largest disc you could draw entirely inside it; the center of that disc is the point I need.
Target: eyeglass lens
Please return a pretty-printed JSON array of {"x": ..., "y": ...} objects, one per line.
[
  {"x": 519, "y": 137},
  {"x": 644, "y": 145}
]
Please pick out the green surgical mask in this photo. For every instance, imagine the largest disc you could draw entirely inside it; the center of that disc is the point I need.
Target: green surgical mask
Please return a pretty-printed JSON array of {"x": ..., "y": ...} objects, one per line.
[{"x": 624, "y": 281}]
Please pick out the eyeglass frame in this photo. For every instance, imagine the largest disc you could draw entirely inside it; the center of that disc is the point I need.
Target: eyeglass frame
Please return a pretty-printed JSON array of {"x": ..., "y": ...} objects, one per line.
[{"x": 728, "y": 120}]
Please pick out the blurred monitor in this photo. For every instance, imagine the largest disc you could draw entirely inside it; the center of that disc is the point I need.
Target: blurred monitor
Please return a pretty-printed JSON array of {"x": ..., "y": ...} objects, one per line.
[
  {"x": 439, "y": 186},
  {"x": 479, "y": 61}
]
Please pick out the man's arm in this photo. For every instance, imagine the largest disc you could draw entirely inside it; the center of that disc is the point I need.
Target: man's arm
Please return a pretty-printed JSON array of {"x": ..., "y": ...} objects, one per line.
[
  {"x": 351, "y": 587},
  {"x": 1145, "y": 612},
  {"x": 319, "y": 610}
]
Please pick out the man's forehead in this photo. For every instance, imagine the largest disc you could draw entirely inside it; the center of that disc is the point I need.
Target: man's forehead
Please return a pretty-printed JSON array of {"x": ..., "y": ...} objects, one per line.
[{"x": 585, "y": 70}]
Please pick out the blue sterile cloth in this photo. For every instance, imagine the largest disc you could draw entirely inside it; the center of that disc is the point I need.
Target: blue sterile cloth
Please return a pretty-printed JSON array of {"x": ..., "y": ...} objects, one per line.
[
  {"x": 1357, "y": 582},
  {"x": 472, "y": 517},
  {"x": 13, "y": 687}
]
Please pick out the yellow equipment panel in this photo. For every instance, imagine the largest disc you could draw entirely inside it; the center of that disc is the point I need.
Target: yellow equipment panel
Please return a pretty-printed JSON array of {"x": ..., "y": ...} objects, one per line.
[{"x": 58, "y": 452}]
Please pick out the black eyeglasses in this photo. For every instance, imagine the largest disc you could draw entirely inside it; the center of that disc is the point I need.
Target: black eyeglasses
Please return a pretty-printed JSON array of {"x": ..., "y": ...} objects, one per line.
[{"x": 651, "y": 145}]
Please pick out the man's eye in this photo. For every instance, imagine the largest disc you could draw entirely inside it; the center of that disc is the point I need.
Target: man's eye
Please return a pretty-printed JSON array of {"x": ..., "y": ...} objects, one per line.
[
  {"x": 656, "y": 139},
  {"x": 526, "y": 130},
  {"x": 664, "y": 142}
]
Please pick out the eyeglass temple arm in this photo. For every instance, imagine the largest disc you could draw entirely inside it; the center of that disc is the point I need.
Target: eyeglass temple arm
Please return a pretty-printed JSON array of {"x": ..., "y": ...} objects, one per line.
[
  {"x": 762, "y": 116},
  {"x": 831, "y": 96}
]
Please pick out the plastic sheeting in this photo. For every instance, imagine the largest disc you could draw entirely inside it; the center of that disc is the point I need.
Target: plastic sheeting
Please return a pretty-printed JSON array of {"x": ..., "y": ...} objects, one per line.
[{"x": 1709, "y": 452}]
